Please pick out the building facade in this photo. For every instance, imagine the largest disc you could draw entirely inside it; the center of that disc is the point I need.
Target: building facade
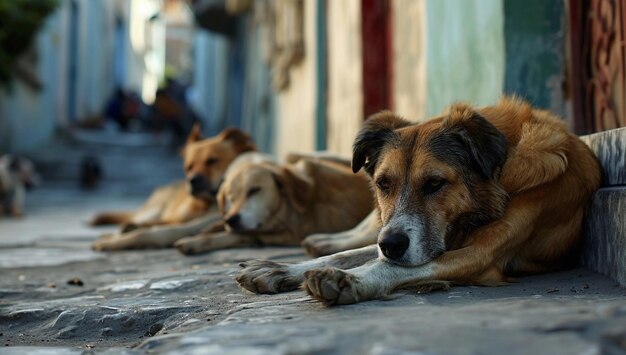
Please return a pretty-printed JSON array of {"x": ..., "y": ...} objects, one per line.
[
  {"x": 84, "y": 51},
  {"x": 356, "y": 57}
]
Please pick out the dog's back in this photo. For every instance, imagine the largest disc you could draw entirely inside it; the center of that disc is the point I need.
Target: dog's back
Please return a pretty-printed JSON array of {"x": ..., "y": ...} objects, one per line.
[{"x": 554, "y": 171}]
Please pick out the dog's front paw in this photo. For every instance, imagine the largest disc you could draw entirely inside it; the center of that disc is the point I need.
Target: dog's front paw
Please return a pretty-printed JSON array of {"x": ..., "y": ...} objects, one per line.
[
  {"x": 264, "y": 276},
  {"x": 332, "y": 286}
]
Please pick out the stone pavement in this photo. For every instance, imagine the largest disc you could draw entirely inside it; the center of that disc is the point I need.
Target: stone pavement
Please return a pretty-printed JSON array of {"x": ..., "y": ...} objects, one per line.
[{"x": 162, "y": 302}]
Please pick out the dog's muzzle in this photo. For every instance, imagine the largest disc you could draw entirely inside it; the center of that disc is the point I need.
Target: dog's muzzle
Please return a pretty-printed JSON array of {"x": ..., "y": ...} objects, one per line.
[
  {"x": 234, "y": 222},
  {"x": 199, "y": 186},
  {"x": 394, "y": 244}
]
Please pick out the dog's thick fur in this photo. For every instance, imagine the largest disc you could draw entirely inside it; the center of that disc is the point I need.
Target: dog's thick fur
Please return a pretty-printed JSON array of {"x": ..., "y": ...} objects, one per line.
[
  {"x": 472, "y": 197},
  {"x": 270, "y": 204},
  {"x": 16, "y": 175},
  {"x": 182, "y": 207}
]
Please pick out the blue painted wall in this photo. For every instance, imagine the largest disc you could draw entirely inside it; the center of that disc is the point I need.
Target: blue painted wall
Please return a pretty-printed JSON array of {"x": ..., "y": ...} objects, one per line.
[{"x": 535, "y": 51}]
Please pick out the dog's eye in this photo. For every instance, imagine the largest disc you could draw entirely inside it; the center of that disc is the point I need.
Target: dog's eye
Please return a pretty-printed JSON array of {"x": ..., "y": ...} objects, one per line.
[
  {"x": 383, "y": 184},
  {"x": 253, "y": 191},
  {"x": 210, "y": 161},
  {"x": 433, "y": 185},
  {"x": 188, "y": 168}
]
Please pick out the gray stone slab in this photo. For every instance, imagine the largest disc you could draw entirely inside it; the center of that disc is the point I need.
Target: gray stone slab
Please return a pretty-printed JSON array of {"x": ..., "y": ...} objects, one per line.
[
  {"x": 445, "y": 323},
  {"x": 610, "y": 148},
  {"x": 30, "y": 257},
  {"x": 604, "y": 248}
]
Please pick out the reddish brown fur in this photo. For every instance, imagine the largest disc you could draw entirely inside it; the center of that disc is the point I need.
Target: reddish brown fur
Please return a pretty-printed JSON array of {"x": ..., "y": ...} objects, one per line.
[
  {"x": 538, "y": 205},
  {"x": 174, "y": 204},
  {"x": 314, "y": 195},
  {"x": 471, "y": 197}
]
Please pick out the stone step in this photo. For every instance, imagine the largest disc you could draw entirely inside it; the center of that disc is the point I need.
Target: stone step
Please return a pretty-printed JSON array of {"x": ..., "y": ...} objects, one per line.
[{"x": 604, "y": 247}]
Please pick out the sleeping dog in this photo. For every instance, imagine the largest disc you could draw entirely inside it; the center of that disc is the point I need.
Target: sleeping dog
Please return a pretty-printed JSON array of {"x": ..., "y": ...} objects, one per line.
[
  {"x": 263, "y": 202},
  {"x": 181, "y": 208},
  {"x": 474, "y": 196}
]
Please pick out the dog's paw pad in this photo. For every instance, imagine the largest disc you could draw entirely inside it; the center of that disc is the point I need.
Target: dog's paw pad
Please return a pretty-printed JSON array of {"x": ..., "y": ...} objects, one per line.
[
  {"x": 331, "y": 286},
  {"x": 264, "y": 276}
]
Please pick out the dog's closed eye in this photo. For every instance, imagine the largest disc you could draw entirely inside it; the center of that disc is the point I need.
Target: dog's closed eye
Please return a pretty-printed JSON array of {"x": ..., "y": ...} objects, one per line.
[
  {"x": 253, "y": 191},
  {"x": 211, "y": 161},
  {"x": 383, "y": 184},
  {"x": 433, "y": 185}
]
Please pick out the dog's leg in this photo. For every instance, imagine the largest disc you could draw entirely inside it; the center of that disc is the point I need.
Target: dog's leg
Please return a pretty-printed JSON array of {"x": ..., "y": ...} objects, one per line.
[
  {"x": 374, "y": 280},
  {"x": 17, "y": 203},
  {"x": 476, "y": 263},
  {"x": 155, "y": 237},
  {"x": 265, "y": 276},
  {"x": 215, "y": 237},
  {"x": 144, "y": 217},
  {"x": 364, "y": 234},
  {"x": 208, "y": 242}
]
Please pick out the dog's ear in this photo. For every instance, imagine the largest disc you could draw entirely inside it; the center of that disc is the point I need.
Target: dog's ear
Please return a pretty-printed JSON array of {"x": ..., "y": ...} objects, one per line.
[
  {"x": 377, "y": 130},
  {"x": 486, "y": 145},
  {"x": 196, "y": 133},
  {"x": 297, "y": 188},
  {"x": 241, "y": 140}
]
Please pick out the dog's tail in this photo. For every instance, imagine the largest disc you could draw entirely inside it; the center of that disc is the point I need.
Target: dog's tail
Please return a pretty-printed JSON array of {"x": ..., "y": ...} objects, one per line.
[{"x": 105, "y": 218}]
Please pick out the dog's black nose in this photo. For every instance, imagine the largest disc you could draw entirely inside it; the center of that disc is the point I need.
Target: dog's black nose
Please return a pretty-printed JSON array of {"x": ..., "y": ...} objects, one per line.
[
  {"x": 196, "y": 180},
  {"x": 394, "y": 245},
  {"x": 234, "y": 221}
]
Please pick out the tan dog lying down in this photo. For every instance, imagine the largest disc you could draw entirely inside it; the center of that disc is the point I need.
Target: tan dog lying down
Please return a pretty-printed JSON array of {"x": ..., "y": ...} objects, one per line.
[
  {"x": 271, "y": 204},
  {"x": 181, "y": 208},
  {"x": 472, "y": 197}
]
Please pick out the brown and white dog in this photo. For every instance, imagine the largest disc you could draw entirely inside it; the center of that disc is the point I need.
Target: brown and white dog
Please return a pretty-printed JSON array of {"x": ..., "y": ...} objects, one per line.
[
  {"x": 472, "y": 197},
  {"x": 267, "y": 203},
  {"x": 182, "y": 208}
]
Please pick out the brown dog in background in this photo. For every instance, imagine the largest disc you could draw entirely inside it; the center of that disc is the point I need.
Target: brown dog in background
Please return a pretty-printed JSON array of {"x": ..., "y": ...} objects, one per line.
[
  {"x": 472, "y": 197},
  {"x": 182, "y": 203},
  {"x": 266, "y": 203}
]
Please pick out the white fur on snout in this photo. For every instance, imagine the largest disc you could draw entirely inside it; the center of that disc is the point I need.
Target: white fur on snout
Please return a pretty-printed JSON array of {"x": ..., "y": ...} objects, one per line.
[
  {"x": 413, "y": 227},
  {"x": 253, "y": 212}
]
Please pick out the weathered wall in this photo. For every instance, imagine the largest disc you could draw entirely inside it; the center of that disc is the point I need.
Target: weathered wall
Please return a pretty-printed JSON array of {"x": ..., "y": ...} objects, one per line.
[
  {"x": 28, "y": 117},
  {"x": 259, "y": 105},
  {"x": 209, "y": 79},
  {"x": 465, "y": 52},
  {"x": 145, "y": 48},
  {"x": 535, "y": 52},
  {"x": 409, "y": 58},
  {"x": 604, "y": 248},
  {"x": 95, "y": 54},
  {"x": 295, "y": 123},
  {"x": 345, "y": 81}
]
